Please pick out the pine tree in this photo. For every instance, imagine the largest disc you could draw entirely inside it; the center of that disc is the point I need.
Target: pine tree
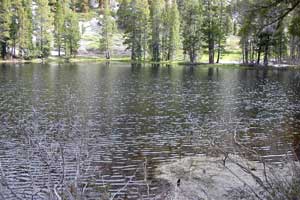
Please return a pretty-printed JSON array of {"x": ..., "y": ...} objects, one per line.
[
  {"x": 14, "y": 25},
  {"x": 21, "y": 28},
  {"x": 107, "y": 30},
  {"x": 124, "y": 14},
  {"x": 25, "y": 30},
  {"x": 72, "y": 34},
  {"x": 59, "y": 21},
  {"x": 143, "y": 21},
  {"x": 210, "y": 26},
  {"x": 171, "y": 30},
  {"x": 221, "y": 30},
  {"x": 136, "y": 13},
  {"x": 192, "y": 29},
  {"x": 294, "y": 31},
  {"x": 166, "y": 29},
  {"x": 5, "y": 23},
  {"x": 156, "y": 25},
  {"x": 43, "y": 26}
]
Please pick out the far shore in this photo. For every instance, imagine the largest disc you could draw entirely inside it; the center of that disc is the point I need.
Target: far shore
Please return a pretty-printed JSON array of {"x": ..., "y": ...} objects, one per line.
[{"x": 95, "y": 59}]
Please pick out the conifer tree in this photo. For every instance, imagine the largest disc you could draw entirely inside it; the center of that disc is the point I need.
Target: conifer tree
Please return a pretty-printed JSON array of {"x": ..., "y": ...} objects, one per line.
[
  {"x": 136, "y": 26},
  {"x": 43, "y": 27},
  {"x": 144, "y": 15},
  {"x": 172, "y": 27},
  {"x": 192, "y": 28},
  {"x": 25, "y": 30},
  {"x": 5, "y": 23},
  {"x": 221, "y": 30},
  {"x": 210, "y": 26},
  {"x": 21, "y": 28},
  {"x": 59, "y": 22},
  {"x": 124, "y": 14},
  {"x": 166, "y": 29},
  {"x": 294, "y": 31},
  {"x": 72, "y": 34},
  {"x": 14, "y": 25},
  {"x": 156, "y": 26},
  {"x": 107, "y": 30}
]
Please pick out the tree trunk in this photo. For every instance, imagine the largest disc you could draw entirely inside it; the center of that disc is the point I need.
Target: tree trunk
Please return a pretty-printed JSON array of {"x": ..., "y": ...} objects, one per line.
[
  {"x": 250, "y": 52},
  {"x": 219, "y": 51},
  {"x": 246, "y": 51},
  {"x": 3, "y": 50},
  {"x": 293, "y": 50},
  {"x": 298, "y": 53},
  {"x": 156, "y": 56},
  {"x": 107, "y": 55},
  {"x": 266, "y": 53},
  {"x": 59, "y": 47},
  {"x": 145, "y": 43},
  {"x": 101, "y": 4},
  {"x": 133, "y": 51},
  {"x": 280, "y": 50},
  {"x": 258, "y": 55},
  {"x": 192, "y": 57},
  {"x": 211, "y": 50},
  {"x": 253, "y": 53},
  {"x": 14, "y": 49}
]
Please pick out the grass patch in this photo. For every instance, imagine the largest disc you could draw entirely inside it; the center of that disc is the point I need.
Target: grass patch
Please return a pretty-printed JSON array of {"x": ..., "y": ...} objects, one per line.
[{"x": 232, "y": 56}]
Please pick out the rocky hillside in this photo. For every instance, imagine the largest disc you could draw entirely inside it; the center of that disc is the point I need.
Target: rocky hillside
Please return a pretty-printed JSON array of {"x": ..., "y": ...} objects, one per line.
[{"x": 91, "y": 27}]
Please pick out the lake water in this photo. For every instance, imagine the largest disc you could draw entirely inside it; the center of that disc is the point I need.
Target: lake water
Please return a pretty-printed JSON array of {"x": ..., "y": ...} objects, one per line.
[{"x": 112, "y": 125}]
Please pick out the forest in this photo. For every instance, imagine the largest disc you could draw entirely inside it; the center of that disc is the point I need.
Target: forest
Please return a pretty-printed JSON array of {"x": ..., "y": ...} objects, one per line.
[
  {"x": 149, "y": 99},
  {"x": 155, "y": 30}
]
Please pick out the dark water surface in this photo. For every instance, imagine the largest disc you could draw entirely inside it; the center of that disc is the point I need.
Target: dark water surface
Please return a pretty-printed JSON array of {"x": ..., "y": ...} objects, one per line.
[{"x": 105, "y": 124}]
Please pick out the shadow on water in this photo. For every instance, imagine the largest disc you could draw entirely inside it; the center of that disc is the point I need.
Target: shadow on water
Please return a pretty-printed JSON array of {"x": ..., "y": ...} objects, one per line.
[{"x": 296, "y": 146}]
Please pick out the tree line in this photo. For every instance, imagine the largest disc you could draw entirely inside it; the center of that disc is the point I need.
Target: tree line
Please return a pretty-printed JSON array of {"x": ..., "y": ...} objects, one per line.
[
  {"x": 157, "y": 30},
  {"x": 269, "y": 30},
  {"x": 160, "y": 28},
  {"x": 31, "y": 26}
]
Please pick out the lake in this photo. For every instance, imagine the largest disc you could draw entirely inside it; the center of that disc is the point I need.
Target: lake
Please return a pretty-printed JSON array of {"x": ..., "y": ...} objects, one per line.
[{"x": 102, "y": 129}]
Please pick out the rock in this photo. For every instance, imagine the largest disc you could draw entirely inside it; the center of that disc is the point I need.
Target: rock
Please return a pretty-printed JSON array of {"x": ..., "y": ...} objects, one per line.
[{"x": 207, "y": 177}]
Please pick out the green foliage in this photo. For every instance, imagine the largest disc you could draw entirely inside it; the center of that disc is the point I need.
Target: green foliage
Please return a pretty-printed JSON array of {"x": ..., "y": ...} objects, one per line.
[
  {"x": 156, "y": 29},
  {"x": 5, "y": 23},
  {"x": 136, "y": 26},
  {"x": 156, "y": 9},
  {"x": 72, "y": 34},
  {"x": 170, "y": 31},
  {"x": 214, "y": 26},
  {"x": 43, "y": 26},
  {"x": 66, "y": 28},
  {"x": 192, "y": 28},
  {"x": 294, "y": 27},
  {"x": 25, "y": 30},
  {"x": 59, "y": 24},
  {"x": 107, "y": 30},
  {"x": 123, "y": 14},
  {"x": 21, "y": 29}
]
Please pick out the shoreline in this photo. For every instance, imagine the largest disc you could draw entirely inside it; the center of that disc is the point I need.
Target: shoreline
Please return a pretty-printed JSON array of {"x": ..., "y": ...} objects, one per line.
[
  {"x": 204, "y": 177},
  {"x": 81, "y": 59}
]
